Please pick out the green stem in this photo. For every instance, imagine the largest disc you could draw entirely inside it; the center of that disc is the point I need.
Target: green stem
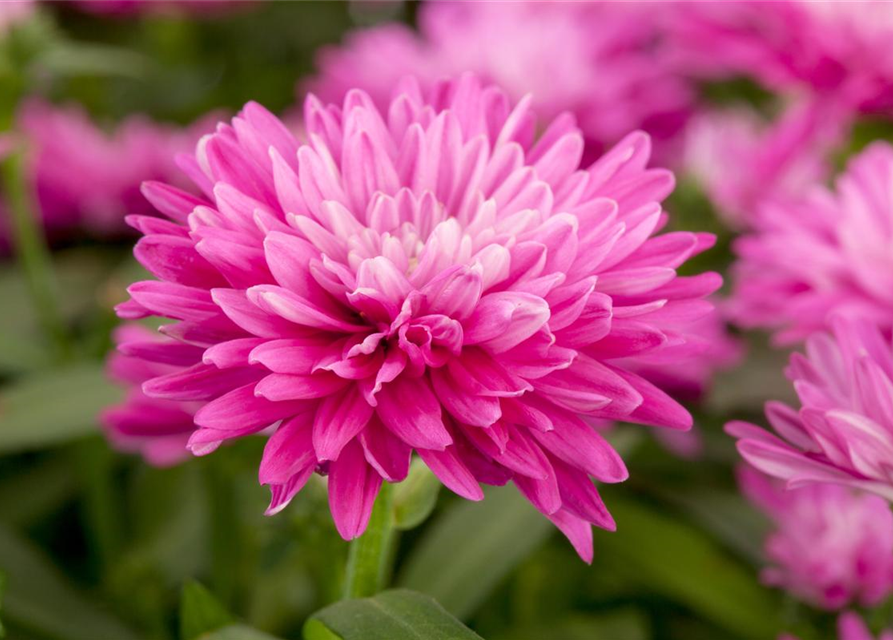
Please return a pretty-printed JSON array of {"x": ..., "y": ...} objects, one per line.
[
  {"x": 369, "y": 559},
  {"x": 31, "y": 250}
]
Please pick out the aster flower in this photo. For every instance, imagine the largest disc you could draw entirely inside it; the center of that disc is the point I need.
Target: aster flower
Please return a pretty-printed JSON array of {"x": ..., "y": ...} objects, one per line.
[
  {"x": 89, "y": 179},
  {"x": 156, "y": 428},
  {"x": 433, "y": 278},
  {"x": 832, "y": 50},
  {"x": 827, "y": 250},
  {"x": 831, "y": 547},
  {"x": 843, "y": 431},
  {"x": 771, "y": 161},
  {"x": 602, "y": 61}
]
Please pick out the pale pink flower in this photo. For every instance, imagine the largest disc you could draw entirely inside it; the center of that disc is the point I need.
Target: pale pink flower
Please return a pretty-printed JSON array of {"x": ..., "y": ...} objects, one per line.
[
  {"x": 825, "y": 251},
  {"x": 89, "y": 179},
  {"x": 158, "y": 429},
  {"x": 843, "y": 431},
  {"x": 831, "y": 546},
  {"x": 741, "y": 161},
  {"x": 601, "y": 61},
  {"x": 12, "y": 12},
  {"x": 834, "y": 50},
  {"x": 436, "y": 278}
]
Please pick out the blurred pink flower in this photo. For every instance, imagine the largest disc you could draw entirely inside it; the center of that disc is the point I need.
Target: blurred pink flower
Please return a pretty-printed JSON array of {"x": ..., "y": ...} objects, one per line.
[
  {"x": 88, "y": 179},
  {"x": 13, "y": 12},
  {"x": 158, "y": 429},
  {"x": 851, "y": 627},
  {"x": 440, "y": 277},
  {"x": 836, "y": 51},
  {"x": 134, "y": 7},
  {"x": 741, "y": 161},
  {"x": 600, "y": 61},
  {"x": 832, "y": 546},
  {"x": 843, "y": 432},
  {"x": 827, "y": 250}
]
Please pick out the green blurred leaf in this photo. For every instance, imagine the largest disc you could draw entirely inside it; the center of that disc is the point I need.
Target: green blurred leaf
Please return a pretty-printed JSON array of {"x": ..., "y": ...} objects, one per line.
[
  {"x": 237, "y": 632},
  {"x": 472, "y": 547},
  {"x": 200, "y": 612},
  {"x": 671, "y": 558},
  {"x": 398, "y": 614},
  {"x": 77, "y": 58},
  {"x": 39, "y": 599},
  {"x": 53, "y": 407},
  {"x": 415, "y": 497},
  {"x": 615, "y": 625},
  {"x": 2, "y": 590},
  {"x": 47, "y": 482}
]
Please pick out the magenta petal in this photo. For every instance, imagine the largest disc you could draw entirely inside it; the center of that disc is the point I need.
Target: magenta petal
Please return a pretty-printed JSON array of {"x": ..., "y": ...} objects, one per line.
[
  {"x": 198, "y": 382},
  {"x": 411, "y": 411},
  {"x": 339, "y": 419},
  {"x": 480, "y": 411},
  {"x": 452, "y": 472},
  {"x": 577, "y": 530},
  {"x": 353, "y": 486},
  {"x": 283, "y": 386},
  {"x": 288, "y": 451},
  {"x": 387, "y": 453},
  {"x": 282, "y": 494},
  {"x": 241, "y": 410}
]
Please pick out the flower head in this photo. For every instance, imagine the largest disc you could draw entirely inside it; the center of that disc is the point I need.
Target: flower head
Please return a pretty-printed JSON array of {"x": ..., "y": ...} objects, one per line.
[
  {"x": 90, "y": 179},
  {"x": 600, "y": 61},
  {"x": 843, "y": 432},
  {"x": 832, "y": 546},
  {"x": 432, "y": 278},
  {"x": 851, "y": 627},
  {"x": 831, "y": 50},
  {"x": 827, "y": 250}
]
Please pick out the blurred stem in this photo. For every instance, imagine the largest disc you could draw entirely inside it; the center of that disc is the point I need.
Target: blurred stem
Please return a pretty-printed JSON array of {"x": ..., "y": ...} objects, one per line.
[
  {"x": 103, "y": 519},
  {"x": 225, "y": 532},
  {"x": 370, "y": 556},
  {"x": 31, "y": 250}
]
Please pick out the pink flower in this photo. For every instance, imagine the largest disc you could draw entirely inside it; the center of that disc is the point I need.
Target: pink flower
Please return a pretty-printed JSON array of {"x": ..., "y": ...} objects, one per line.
[
  {"x": 851, "y": 627},
  {"x": 158, "y": 429},
  {"x": 832, "y": 546},
  {"x": 87, "y": 178},
  {"x": 843, "y": 432},
  {"x": 833, "y": 50},
  {"x": 599, "y": 60},
  {"x": 827, "y": 250},
  {"x": 135, "y": 7},
  {"x": 13, "y": 12},
  {"x": 435, "y": 277},
  {"x": 774, "y": 160}
]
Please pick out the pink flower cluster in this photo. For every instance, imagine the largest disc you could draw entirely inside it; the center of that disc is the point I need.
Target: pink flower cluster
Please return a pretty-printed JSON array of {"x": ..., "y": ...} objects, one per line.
[
  {"x": 832, "y": 546},
  {"x": 13, "y": 12},
  {"x": 843, "y": 432},
  {"x": 602, "y": 61},
  {"x": 88, "y": 179},
  {"x": 440, "y": 277},
  {"x": 834, "y": 51},
  {"x": 824, "y": 251},
  {"x": 741, "y": 161}
]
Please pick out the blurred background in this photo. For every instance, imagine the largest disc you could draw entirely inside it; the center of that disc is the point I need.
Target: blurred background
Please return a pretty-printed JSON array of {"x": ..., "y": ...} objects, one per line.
[{"x": 98, "y": 545}]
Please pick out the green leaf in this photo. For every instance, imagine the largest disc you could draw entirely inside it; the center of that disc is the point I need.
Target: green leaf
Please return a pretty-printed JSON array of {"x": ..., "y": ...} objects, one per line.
[
  {"x": 2, "y": 589},
  {"x": 398, "y": 614},
  {"x": 53, "y": 407},
  {"x": 615, "y": 625},
  {"x": 39, "y": 599},
  {"x": 472, "y": 547},
  {"x": 200, "y": 612},
  {"x": 667, "y": 556},
  {"x": 415, "y": 497},
  {"x": 237, "y": 632}
]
